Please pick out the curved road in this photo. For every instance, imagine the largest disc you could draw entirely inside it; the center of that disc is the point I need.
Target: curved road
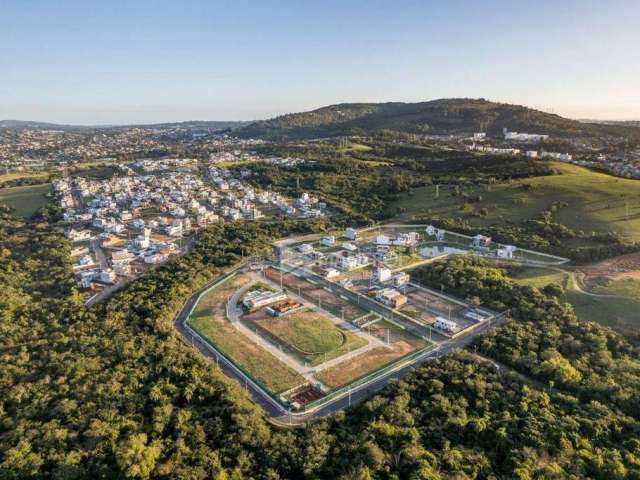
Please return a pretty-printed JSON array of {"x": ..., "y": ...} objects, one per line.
[{"x": 278, "y": 414}]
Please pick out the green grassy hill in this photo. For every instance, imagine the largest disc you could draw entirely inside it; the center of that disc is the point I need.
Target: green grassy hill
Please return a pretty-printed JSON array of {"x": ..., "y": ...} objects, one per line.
[
  {"x": 595, "y": 201},
  {"x": 619, "y": 311},
  {"x": 444, "y": 116}
]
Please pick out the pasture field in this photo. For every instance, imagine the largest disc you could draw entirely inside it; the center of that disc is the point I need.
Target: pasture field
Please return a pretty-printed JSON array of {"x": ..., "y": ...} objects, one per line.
[
  {"x": 619, "y": 311},
  {"x": 208, "y": 319},
  {"x": 5, "y": 177},
  {"x": 309, "y": 335},
  {"x": 26, "y": 200},
  {"x": 316, "y": 294},
  {"x": 401, "y": 343},
  {"x": 596, "y": 201}
]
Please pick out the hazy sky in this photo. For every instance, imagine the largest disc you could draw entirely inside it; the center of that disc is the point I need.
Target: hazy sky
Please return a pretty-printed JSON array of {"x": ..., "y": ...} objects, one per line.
[{"x": 114, "y": 61}]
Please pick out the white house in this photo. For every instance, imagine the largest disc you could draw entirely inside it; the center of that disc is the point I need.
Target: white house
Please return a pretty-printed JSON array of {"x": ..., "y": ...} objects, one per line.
[
  {"x": 383, "y": 274},
  {"x": 506, "y": 252},
  {"x": 400, "y": 279},
  {"x": 328, "y": 241},
  {"x": 107, "y": 276},
  {"x": 350, "y": 247},
  {"x": 383, "y": 240},
  {"x": 305, "y": 248},
  {"x": 445, "y": 325},
  {"x": 480, "y": 241}
]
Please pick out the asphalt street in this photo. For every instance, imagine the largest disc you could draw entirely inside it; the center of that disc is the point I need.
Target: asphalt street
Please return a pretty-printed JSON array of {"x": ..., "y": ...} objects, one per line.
[{"x": 279, "y": 414}]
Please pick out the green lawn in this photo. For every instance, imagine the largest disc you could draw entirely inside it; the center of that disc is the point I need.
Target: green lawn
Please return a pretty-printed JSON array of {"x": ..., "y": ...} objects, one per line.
[
  {"x": 596, "y": 201},
  {"x": 540, "y": 277},
  {"x": 311, "y": 336},
  {"x": 617, "y": 312},
  {"x": 26, "y": 200}
]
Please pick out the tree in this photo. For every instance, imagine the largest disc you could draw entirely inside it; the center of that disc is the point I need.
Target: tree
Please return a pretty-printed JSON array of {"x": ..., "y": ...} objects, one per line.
[{"x": 135, "y": 457}]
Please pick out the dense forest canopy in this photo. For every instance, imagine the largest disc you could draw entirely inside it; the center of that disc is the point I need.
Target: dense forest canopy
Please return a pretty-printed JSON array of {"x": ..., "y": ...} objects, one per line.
[
  {"x": 443, "y": 116},
  {"x": 112, "y": 392}
]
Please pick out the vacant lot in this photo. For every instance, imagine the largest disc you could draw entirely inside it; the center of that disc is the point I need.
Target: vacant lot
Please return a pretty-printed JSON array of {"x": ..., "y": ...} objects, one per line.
[
  {"x": 5, "y": 177},
  {"x": 308, "y": 335},
  {"x": 596, "y": 201},
  {"x": 209, "y": 320},
  {"x": 401, "y": 343},
  {"x": 619, "y": 310},
  {"x": 25, "y": 200},
  {"x": 316, "y": 293}
]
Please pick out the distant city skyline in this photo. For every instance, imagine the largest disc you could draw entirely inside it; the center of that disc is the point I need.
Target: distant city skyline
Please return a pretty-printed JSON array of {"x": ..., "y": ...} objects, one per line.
[{"x": 92, "y": 63}]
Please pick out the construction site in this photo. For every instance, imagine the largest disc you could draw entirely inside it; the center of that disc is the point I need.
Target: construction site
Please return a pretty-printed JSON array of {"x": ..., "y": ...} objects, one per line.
[{"x": 327, "y": 315}]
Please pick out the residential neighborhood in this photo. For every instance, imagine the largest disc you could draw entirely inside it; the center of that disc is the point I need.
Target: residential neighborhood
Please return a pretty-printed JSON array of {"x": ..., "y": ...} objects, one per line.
[{"x": 142, "y": 216}]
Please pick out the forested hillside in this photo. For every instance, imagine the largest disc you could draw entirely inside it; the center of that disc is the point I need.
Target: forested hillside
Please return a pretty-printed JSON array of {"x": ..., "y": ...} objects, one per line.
[
  {"x": 112, "y": 392},
  {"x": 444, "y": 116}
]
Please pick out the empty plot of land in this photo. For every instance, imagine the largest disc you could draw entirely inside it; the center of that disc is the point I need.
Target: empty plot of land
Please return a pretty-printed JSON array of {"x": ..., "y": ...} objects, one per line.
[
  {"x": 26, "y": 200},
  {"x": 621, "y": 303},
  {"x": 208, "y": 320},
  {"x": 401, "y": 343},
  {"x": 425, "y": 306},
  {"x": 316, "y": 293},
  {"x": 597, "y": 201},
  {"x": 308, "y": 335}
]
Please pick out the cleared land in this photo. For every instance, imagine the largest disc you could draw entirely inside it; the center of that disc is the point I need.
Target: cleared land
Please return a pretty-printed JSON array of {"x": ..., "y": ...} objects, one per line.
[
  {"x": 19, "y": 175},
  {"x": 25, "y": 200},
  {"x": 401, "y": 343},
  {"x": 208, "y": 319},
  {"x": 314, "y": 293},
  {"x": 308, "y": 335},
  {"x": 619, "y": 311},
  {"x": 596, "y": 201}
]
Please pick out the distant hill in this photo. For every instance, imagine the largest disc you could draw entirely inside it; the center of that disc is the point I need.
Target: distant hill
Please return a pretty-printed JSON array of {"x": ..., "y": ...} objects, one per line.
[
  {"x": 192, "y": 124},
  {"x": 444, "y": 116},
  {"x": 624, "y": 123}
]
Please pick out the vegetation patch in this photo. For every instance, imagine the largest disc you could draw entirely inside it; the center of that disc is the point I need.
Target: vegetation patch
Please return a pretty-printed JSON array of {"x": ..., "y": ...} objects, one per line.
[
  {"x": 311, "y": 336},
  {"x": 594, "y": 201},
  {"x": 208, "y": 319},
  {"x": 26, "y": 200}
]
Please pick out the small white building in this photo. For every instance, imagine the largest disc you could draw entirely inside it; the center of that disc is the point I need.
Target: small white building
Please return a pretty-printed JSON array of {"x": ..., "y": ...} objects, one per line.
[
  {"x": 480, "y": 241},
  {"x": 305, "y": 248},
  {"x": 400, "y": 279},
  {"x": 383, "y": 240},
  {"x": 351, "y": 233},
  {"x": 261, "y": 298},
  {"x": 352, "y": 262},
  {"x": 383, "y": 274},
  {"x": 107, "y": 276},
  {"x": 350, "y": 247},
  {"x": 330, "y": 273},
  {"x": 506, "y": 252},
  {"x": 443, "y": 324},
  {"x": 328, "y": 241}
]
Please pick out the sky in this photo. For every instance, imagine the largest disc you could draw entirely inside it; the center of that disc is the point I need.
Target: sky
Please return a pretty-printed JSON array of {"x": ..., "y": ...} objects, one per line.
[{"x": 116, "y": 62}]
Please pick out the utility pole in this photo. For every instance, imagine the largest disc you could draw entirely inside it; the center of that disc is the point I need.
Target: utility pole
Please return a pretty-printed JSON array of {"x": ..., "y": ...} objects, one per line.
[{"x": 437, "y": 191}]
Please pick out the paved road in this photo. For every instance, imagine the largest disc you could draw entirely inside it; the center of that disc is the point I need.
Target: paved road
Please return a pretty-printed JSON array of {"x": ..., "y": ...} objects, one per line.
[
  {"x": 100, "y": 256},
  {"x": 279, "y": 414},
  {"x": 307, "y": 371}
]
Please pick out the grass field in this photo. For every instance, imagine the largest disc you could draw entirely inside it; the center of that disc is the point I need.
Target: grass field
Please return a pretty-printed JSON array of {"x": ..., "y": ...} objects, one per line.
[
  {"x": 311, "y": 336},
  {"x": 617, "y": 312},
  {"x": 25, "y": 200},
  {"x": 208, "y": 319},
  {"x": 596, "y": 201},
  {"x": 401, "y": 343},
  {"x": 19, "y": 175}
]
